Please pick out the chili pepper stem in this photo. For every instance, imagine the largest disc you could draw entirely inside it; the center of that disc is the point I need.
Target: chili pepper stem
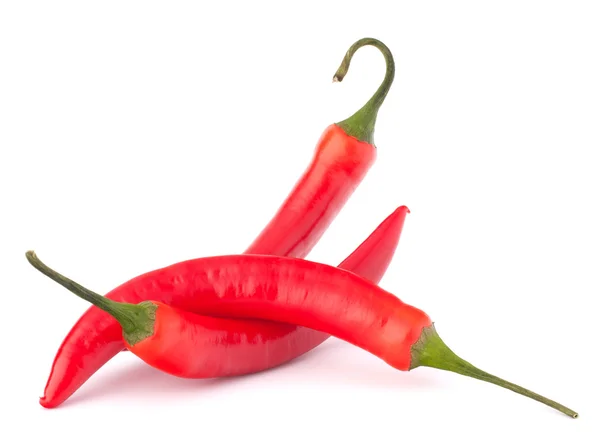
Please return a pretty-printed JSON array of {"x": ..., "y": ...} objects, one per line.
[
  {"x": 431, "y": 351},
  {"x": 136, "y": 320},
  {"x": 361, "y": 124}
]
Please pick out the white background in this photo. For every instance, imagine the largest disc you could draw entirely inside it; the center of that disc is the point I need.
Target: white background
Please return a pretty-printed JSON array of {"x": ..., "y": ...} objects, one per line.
[{"x": 138, "y": 134}]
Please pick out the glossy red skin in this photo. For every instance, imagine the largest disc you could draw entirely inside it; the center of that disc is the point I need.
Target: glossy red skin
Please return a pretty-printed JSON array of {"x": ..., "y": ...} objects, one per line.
[
  {"x": 189, "y": 345},
  {"x": 339, "y": 163},
  {"x": 293, "y": 291}
]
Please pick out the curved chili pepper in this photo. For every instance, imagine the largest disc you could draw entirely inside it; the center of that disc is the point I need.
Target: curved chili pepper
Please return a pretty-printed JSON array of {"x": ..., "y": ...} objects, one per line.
[
  {"x": 344, "y": 154},
  {"x": 293, "y": 291}
]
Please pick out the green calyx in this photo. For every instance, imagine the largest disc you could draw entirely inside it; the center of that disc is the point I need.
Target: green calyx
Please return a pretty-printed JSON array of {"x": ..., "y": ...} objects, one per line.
[
  {"x": 136, "y": 320},
  {"x": 431, "y": 351},
  {"x": 361, "y": 124}
]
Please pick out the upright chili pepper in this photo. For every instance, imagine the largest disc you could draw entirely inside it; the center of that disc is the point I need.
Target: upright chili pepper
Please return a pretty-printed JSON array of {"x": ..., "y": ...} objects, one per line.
[
  {"x": 294, "y": 291},
  {"x": 344, "y": 154}
]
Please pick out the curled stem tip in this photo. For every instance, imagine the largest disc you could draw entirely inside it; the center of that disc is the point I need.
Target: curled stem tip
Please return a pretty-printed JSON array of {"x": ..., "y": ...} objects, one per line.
[
  {"x": 362, "y": 123},
  {"x": 431, "y": 351}
]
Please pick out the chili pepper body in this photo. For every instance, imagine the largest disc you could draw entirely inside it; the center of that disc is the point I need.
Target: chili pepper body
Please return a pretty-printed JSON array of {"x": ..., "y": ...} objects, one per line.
[
  {"x": 190, "y": 345},
  {"x": 288, "y": 290},
  {"x": 281, "y": 290},
  {"x": 340, "y": 162},
  {"x": 293, "y": 291},
  {"x": 97, "y": 337}
]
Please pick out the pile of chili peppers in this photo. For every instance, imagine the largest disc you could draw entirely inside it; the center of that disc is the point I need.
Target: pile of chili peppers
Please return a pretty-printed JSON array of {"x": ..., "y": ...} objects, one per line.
[{"x": 230, "y": 315}]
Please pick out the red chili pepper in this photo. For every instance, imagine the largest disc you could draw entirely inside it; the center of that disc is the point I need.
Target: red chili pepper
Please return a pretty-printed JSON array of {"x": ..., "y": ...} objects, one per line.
[
  {"x": 293, "y": 291},
  {"x": 343, "y": 155}
]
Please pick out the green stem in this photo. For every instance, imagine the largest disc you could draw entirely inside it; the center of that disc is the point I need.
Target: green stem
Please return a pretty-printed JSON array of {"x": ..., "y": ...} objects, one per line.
[
  {"x": 431, "y": 351},
  {"x": 137, "y": 320},
  {"x": 361, "y": 124}
]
